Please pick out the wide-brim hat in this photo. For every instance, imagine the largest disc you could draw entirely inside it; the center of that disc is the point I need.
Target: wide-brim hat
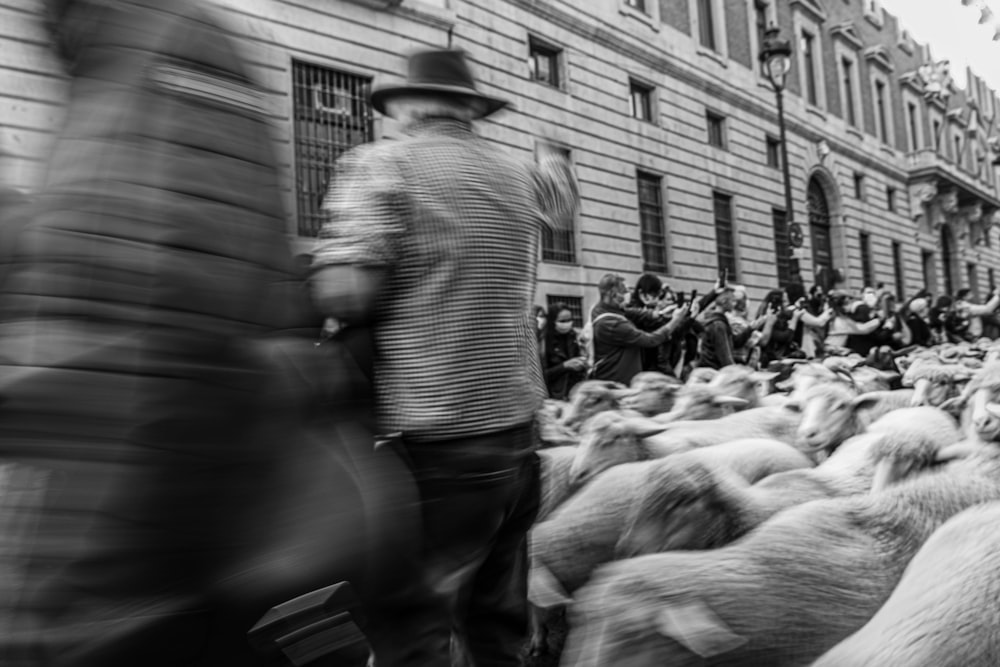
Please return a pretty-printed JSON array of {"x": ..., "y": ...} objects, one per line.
[{"x": 439, "y": 72}]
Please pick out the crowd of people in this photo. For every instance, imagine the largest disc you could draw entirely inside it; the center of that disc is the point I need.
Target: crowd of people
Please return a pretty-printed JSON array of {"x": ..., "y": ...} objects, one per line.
[{"x": 650, "y": 327}]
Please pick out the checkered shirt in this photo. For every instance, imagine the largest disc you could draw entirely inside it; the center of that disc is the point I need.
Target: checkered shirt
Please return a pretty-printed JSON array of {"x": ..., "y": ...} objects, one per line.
[{"x": 456, "y": 222}]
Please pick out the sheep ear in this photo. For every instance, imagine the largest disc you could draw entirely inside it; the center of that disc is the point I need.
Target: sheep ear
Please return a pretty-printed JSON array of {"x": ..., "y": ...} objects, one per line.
[
  {"x": 643, "y": 428},
  {"x": 784, "y": 385},
  {"x": 864, "y": 401},
  {"x": 544, "y": 590},
  {"x": 733, "y": 401},
  {"x": 793, "y": 406},
  {"x": 696, "y": 627},
  {"x": 763, "y": 376}
]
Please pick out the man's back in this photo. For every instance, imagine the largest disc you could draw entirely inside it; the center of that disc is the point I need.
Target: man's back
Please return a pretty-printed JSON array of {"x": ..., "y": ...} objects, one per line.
[{"x": 460, "y": 223}]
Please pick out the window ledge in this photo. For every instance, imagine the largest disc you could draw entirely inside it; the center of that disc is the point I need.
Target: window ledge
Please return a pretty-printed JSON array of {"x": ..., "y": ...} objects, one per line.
[
  {"x": 856, "y": 133},
  {"x": 713, "y": 55},
  {"x": 887, "y": 149},
  {"x": 650, "y": 20},
  {"x": 816, "y": 111}
]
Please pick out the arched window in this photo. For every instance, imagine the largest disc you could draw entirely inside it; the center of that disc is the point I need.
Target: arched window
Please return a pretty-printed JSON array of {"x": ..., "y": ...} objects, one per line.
[{"x": 819, "y": 227}]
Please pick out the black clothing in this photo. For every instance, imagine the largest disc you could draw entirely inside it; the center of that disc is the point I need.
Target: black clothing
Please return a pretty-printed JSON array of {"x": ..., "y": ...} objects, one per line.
[{"x": 559, "y": 380}]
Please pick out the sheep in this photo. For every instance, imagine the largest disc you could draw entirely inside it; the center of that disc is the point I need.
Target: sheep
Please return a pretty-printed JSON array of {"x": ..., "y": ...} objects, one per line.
[
  {"x": 555, "y": 481},
  {"x": 551, "y": 431},
  {"x": 652, "y": 393},
  {"x": 721, "y": 508},
  {"x": 831, "y": 413},
  {"x": 979, "y": 400},
  {"x": 611, "y": 439},
  {"x": 943, "y": 612},
  {"x": 700, "y": 402},
  {"x": 591, "y": 397},
  {"x": 583, "y": 532},
  {"x": 783, "y": 594},
  {"x": 701, "y": 375},
  {"x": 934, "y": 383}
]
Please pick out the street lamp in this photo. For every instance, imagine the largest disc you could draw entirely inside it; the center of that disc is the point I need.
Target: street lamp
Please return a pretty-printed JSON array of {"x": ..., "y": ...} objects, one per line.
[{"x": 776, "y": 58}]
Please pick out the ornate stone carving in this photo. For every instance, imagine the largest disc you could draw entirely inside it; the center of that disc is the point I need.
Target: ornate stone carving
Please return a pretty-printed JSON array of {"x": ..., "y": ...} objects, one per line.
[
  {"x": 937, "y": 79},
  {"x": 921, "y": 195},
  {"x": 948, "y": 201}
]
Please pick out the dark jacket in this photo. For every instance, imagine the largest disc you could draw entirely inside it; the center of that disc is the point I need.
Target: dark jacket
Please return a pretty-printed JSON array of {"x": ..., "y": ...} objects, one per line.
[
  {"x": 716, "y": 342},
  {"x": 559, "y": 379},
  {"x": 618, "y": 344},
  {"x": 920, "y": 329}
]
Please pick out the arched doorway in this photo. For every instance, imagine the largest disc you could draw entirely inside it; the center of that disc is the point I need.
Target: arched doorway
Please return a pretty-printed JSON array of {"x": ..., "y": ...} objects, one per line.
[
  {"x": 947, "y": 247},
  {"x": 819, "y": 231}
]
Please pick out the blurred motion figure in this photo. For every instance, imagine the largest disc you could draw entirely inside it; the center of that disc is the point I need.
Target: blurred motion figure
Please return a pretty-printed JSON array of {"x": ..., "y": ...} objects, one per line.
[{"x": 148, "y": 409}]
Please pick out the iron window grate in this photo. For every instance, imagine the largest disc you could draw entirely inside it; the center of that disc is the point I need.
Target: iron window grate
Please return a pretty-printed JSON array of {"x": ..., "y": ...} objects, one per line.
[
  {"x": 331, "y": 114},
  {"x": 652, "y": 234}
]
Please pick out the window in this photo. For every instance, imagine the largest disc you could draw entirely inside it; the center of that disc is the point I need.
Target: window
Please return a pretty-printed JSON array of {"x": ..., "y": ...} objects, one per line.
[
  {"x": 927, "y": 265},
  {"x": 544, "y": 62},
  {"x": 890, "y": 198},
  {"x": 990, "y": 277},
  {"x": 641, "y": 101},
  {"x": 847, "y": 70},
  {"x": 859, "y": 186},
  {"x": 653, "y": 235},
  {"x": 773, "y": 147},
  {"x": 809, "y": 60},
  {"x": 706, "y": 24},
  {"x": 867, "y": 276},
  {"x": 573, "y": 303},
  {"x": 782, "y": 254},
  {"x": 559, "y": 245},
  {"x": 716, "y": 129},
  {"x": 936, "y": 124},
  {"x": 880, "y": 112},
  {"x": 972, "y": 275},
  {"x": 331, "y": 115},
  {"x": 897, "y": 269},
  {"x": 760, "y": 25},
  {"x": 957, "y": 141},
  {"x": 913, "y": 125},
  {"x": 725, "y": 239},
  {"x": 639, "y": 5}
]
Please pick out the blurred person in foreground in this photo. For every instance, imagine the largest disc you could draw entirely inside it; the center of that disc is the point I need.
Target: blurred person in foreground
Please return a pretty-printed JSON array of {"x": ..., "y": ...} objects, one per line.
[
  {"x": 437, "y": 228},
  {"x": 156, "y": 342}
]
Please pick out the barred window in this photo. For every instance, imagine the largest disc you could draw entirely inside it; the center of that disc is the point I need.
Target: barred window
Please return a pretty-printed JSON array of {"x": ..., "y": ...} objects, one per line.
[
  {"x": 867, "y": 275},
  {"x": 331, "y": 114},
  {"x": 716, "y": 129},
  {"x": 897, "y": 268},
  {"x": 725, "y": 238},
  {"x": 573, "y": 303},
  {"x": 653, "y": 236},
  {"x": 782, "y": 251}
]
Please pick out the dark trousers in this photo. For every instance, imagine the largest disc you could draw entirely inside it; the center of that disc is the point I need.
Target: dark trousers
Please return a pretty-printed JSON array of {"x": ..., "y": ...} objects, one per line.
[{"x": 479, "y": 496}]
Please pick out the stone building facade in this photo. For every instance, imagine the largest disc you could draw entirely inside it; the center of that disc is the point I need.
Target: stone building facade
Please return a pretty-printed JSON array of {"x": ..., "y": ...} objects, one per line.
[{"x": 664, "y": 111}]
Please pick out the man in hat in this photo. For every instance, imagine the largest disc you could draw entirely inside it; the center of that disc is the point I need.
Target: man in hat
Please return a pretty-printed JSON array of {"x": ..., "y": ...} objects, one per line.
[{"x": 431, "y": 240}]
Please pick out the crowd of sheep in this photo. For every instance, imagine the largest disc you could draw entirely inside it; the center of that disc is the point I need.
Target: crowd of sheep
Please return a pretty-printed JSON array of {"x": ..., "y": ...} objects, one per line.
[{"x": 828, "y": 513}]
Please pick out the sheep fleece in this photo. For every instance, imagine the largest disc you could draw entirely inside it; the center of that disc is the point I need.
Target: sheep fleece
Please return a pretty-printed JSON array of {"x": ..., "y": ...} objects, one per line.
[{"x": 792, "y": 589}]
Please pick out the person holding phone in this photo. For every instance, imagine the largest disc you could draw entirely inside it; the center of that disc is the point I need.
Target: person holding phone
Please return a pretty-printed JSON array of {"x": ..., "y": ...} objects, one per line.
[{"x": 565, "y": 361}]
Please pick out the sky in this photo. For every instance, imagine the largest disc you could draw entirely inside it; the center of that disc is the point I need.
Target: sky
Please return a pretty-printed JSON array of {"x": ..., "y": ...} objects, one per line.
[{"x": 953, "y": 31}]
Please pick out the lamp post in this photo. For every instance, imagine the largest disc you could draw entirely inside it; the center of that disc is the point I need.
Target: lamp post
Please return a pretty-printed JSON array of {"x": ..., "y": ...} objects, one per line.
[{"x": 775, "y": 55}]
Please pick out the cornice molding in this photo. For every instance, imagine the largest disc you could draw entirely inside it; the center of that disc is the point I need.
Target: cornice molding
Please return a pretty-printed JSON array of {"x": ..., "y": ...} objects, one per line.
[
  {"x": 880, "y": 55},
  {"x": 847, "y": 32},
  {"x": 810, "y": 7}
]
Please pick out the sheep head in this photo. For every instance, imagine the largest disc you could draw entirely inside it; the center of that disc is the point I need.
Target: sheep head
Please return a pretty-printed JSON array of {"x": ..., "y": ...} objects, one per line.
[
  {"x": 608, "y": 439},
  {"x": 590, "y": 397},
  {"x": 982, "y": 398},
  {"x": 742, "y": 382},
  {"x": 654, "y": 393},
  {"x": 676, "y": 509},
  {"x": 934, "y": 383},
  {"x": 702, "y": 401},
  {"x": 701, "y": 376},
  {"x": 829, "y": 416}
]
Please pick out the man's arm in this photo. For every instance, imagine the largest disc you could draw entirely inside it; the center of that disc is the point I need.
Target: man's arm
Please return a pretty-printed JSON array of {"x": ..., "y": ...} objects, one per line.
[
  {"x": 364, "y": 211},
  {"x": 622, "y": 333},
  {"x": 556, "y": 189}
]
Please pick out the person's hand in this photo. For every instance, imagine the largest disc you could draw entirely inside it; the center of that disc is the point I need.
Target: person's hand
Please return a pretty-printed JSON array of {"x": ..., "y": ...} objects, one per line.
[
  {"x": 771, "y": 317},
  {"x": 681, "y": 313},
  {"x": 576, "y": 364}
]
